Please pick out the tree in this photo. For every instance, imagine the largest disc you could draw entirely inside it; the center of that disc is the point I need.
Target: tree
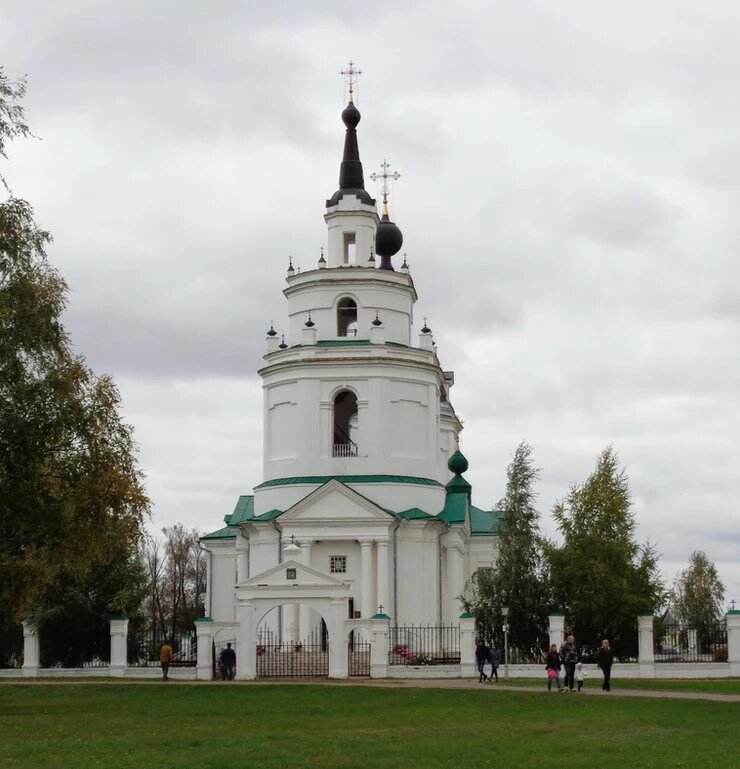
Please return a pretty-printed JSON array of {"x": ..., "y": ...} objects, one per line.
[
  {"x": 71, "y": 493},
  {"x": 177, "y": 581},
  {"x": 519, "y": 579},
  {"x": 601, "y": 577},
  {"x": 698, "y": 593}
]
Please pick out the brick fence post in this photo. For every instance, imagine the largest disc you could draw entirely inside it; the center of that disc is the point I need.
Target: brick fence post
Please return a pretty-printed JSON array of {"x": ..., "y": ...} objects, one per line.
[
  {"x": 118, "y": 645},
  {"x": 732, "y": 618},
  {"x": 30, "y": 650}
]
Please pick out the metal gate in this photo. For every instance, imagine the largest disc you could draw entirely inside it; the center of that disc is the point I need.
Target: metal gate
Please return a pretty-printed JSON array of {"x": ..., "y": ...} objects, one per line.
[
  {"x": 358, "y": 655},
  {"x": 306, "y": 659}
]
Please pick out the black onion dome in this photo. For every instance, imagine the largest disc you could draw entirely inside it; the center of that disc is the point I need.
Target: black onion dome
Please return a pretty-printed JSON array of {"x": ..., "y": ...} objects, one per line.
[
  {"x": 351, "y": 116},
  {"x": 388, "y": 241}
]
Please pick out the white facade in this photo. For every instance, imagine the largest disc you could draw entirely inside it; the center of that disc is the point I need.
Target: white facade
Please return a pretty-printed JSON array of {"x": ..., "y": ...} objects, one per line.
[{"x": 360, "y": 445}]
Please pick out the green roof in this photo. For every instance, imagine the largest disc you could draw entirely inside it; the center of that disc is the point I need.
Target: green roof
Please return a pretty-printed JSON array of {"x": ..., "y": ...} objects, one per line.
[
  {"x": 270, "y": 515},
  {"x": 243, "y": 511},
  {"x": 484, "y": 522},
  {"x": 228, "y": 532},
  {"x": 351, "y": 342},
  {"x": 347, "y": 479},
  {"x": 412, "y": 514},
  {"x": 455, "y": 509}
]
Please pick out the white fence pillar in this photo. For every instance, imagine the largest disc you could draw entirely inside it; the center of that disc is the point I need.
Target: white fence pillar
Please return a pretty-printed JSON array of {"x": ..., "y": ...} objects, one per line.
[
  {"x": 379, "y": 628},
  {"x": 556, "y": 622},
  {"x": 338, "y": 641},
  {"x": 30, "y": 650},
  {"x": 646, "y": 644},
  {"x": 732, "y": 618},
  {"x": 467, "y": 644},
  {"x": 204, "y": 649},
  {"x": 118, "y": 645}
]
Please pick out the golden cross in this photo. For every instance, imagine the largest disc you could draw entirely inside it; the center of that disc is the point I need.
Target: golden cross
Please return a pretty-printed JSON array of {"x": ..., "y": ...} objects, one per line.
[
  {"x": 350, "y": 77},
  {"x": 392, "y": 175}
]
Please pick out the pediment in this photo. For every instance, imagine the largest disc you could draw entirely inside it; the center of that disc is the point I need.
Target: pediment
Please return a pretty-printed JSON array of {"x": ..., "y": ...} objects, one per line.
[
  {"x": 305, "y": 576},
  {"x": 335, "y": 502}
]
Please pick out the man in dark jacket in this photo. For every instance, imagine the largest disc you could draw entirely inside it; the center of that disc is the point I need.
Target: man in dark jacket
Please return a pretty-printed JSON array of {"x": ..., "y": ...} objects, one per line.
[
  {"x": 481, "y": 657},
  {"x": 227, "y": 663},
  {"x": 569, "y": 656},
  {"x": 604, "y": 659}
]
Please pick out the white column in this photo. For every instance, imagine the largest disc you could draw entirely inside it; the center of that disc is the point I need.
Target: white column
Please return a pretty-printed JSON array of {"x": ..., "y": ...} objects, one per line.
[
  {"x": 337, "y": 639},
  {"x": 118, "y": 645},
  {"x": 204, "y": 662},
  {"x": 556, "y": 629},
  {"x": 382, "y": 591},
  {"x": 467, "y": 645},
  {"x": 291, "y": 620},
  {"x": 366, "y": 576},
  {"x": 242, "y": 558},
  {"x": 379, "y": 648},
  {"x": 30, "y": 650},
  {"x": 304, "y": 620},
  {"x": 454, "y": 582},
  {"x": 732, "y": 618},
  {"x": 246, "y": 641},
  {"x": 645, "y": 645}
]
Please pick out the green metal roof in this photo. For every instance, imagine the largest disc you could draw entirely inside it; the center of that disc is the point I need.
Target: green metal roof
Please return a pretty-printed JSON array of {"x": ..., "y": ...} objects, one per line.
[
  {"x": 455, "y": 509},
  {"x": 227, "y": 532},
  {"x": 243, "y": 511},
  {"x": 412, "y": 514},
  {"x": 270, "y": 515},
  {"x": 351, "y": 342},
  {"x": 347, "y": 479},
  {"x": 484, "y": 522}
]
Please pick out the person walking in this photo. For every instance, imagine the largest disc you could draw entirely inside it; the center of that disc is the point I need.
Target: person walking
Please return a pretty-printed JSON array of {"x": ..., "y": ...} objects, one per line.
[
  {"x": 165, "y": 658},
  {"x": 605, "y": 659},
  {"x": 495, "y": 659},
  {"x": 481, "y": 658},
  {"x": 569, "y": 656},
  {"x": 580, "y": 675},
  {"x": 227, "y": 663},
  {"x": 553, "y": 666}
]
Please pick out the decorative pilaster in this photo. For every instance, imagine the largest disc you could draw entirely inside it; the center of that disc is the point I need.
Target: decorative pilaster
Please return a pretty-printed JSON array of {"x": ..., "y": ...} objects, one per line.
[
  {"x": 118, "y": 645},
  {"x": 30, "y": 650},
  {"x": 454, "y": 580},
  {"x": 382, "y": 583},
  {"x": 645, "y": 644},
  {"x": 305, "y": 611},
  {"x": 366, "y": 576},
  {"x": 467, "y": 644},
  {"x": 732, "y": 618},
  {"x": 556, "y": 622},
  {"x": 246, "y": 642},
  {"x": 242, "y": 558},
  {"x": 204, "y": 662}
]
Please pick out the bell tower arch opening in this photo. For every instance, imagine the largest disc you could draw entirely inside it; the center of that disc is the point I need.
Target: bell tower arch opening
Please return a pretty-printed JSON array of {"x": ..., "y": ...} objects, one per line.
[
  {"x": 345, "y": 425},
  {"x": 347, "y": 317}
]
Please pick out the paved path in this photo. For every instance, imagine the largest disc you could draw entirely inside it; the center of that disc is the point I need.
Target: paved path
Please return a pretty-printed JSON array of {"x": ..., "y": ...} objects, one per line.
[{"x": 396, "y": 683}]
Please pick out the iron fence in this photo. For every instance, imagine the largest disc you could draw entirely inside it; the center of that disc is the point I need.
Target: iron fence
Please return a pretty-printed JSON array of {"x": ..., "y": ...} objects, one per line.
[
  {"x": 424, "y": 645},
  {"x": 676, "y": 642},
  {"x": 358, "y": 655},
  {"x": 289, "y": 659},
  {"x": 82, "y": 649},
  {"x": 144, "y": 649}
]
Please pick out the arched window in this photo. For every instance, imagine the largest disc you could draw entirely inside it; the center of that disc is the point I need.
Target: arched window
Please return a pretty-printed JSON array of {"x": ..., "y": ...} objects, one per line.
[
  {"x": 347, "y": 317},
  {"x": 345, "y": 425}
]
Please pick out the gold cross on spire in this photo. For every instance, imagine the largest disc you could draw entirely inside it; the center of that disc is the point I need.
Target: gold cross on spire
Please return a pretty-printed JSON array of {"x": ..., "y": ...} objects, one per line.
[
  {"x": 385, "y": 176},
  {"x": 350, "y": 78}
]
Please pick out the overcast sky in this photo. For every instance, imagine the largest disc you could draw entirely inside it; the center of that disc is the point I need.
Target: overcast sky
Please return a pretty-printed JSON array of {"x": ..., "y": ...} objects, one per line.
[{"x": 569, "y": 196}]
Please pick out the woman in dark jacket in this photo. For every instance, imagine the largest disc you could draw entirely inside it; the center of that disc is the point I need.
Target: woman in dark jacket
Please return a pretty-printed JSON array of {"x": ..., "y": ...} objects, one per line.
[
  {"x": 604, "y": 659},
  {"x": 554, "y": 663}
]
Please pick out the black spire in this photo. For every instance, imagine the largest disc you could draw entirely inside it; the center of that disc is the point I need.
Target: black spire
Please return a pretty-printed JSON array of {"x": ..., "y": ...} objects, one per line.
[{"x": 351, "y": 177}]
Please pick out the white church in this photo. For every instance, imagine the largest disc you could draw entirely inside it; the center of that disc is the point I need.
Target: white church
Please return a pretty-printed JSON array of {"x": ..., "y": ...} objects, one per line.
[{"x": 363, "y": 512}]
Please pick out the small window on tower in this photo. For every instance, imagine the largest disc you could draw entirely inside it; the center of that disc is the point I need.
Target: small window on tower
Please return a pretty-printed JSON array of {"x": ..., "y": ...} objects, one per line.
[
  {"x": 349, "y": 248},
  {"x": 337, "y": 564}
]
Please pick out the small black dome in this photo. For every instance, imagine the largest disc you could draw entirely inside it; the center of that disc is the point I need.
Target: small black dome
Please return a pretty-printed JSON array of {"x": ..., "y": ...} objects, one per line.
[
  {"x": 388, "y": 238},
  {"x": 351, "y": 116}
]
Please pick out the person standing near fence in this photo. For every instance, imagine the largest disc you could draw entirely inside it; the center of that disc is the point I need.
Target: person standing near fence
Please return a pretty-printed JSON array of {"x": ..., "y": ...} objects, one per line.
[
  {"x": 553, "y": 666},
  {"x": 227, "y": 663},
  {"x": 165, "y": 658},
  {"x": 481, "y": 658},
  {"x": 495, "y": 659},
  {"x": 604, "y": 659},
  {"x": 569, "y": 656}
]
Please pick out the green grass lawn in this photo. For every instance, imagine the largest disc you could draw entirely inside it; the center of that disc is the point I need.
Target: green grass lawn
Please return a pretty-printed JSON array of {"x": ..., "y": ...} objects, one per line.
[
  {"x": 143, "y": 725},
  {"x": 708, "y": 685}
]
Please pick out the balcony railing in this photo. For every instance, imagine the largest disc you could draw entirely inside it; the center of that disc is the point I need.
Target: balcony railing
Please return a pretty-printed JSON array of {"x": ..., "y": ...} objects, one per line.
[{"x": 345, "y": 450}]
